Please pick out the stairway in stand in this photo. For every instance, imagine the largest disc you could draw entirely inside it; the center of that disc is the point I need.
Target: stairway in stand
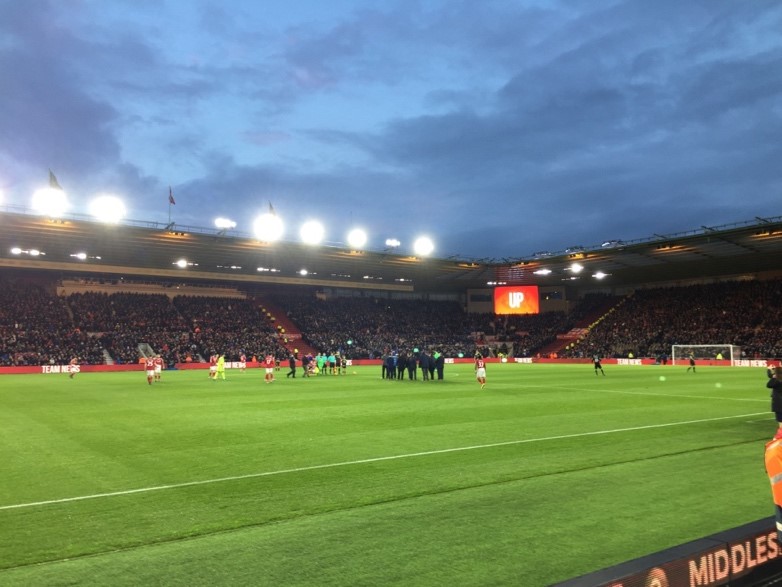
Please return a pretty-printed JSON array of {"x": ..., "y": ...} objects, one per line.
[
  {"x": 291, "y": 338},
  {"x": 582, "y": 327}
]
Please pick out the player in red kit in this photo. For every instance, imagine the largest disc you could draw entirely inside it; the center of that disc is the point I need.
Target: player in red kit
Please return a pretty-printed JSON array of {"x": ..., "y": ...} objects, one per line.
[
  {"x": 213, "y": 366},
  {"x": 242, "y": 362},
  {"x": 480, "y": 369},
  {"x": 268, "y": 364},
  {"x": 74, "y": 367},
  {"x": 150, "y": 367},
  {"x": 158, "y": 361}
]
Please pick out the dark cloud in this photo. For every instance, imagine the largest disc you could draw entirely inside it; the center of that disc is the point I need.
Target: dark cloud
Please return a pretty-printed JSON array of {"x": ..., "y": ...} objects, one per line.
[
  {"x": 47, "y": 116},
  {"x": 499, "y": 128}
]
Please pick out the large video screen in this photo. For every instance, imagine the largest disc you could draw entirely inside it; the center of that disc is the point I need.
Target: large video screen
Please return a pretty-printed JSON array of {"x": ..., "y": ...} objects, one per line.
[{"x": 520, "y": 299}]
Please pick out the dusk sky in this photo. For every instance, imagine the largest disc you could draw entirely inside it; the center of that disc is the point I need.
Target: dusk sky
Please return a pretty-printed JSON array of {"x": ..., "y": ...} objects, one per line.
[{"x": 498, "y": 128}]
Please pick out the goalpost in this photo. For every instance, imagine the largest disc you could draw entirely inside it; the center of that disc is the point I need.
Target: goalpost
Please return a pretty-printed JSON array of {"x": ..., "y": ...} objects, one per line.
[{"x": 682, "y": 352}]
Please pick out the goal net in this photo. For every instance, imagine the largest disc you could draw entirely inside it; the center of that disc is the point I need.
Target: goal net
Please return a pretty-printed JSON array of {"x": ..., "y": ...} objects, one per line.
[{"x": 681, "y": 353}]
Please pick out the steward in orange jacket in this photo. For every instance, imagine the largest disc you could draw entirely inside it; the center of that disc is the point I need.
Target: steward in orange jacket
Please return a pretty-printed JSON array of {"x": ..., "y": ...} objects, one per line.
[{"x": 774, "y": 471}]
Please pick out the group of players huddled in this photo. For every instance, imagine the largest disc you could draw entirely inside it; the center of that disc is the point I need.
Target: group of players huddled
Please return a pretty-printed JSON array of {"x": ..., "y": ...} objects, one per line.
[{"x": 320, "y": 364}]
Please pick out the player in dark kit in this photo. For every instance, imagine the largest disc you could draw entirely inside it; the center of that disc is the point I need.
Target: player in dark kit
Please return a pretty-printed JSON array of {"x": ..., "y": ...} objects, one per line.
[
  {"x": 692, "y": 364},
  {"x": 598, "y": 366}
]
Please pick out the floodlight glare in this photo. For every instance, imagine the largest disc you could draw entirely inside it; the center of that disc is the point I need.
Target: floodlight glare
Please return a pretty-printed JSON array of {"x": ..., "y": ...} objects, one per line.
[
  {"x": 16, "y": 251},
  {"x": 599, "y": 275},
  {"x": 542, "y": 272},
  {"x": 576, "y": 268},
  {"x": 107, "y": 208},
  {"x": 80, "y": 256},
  {"x": 423, "y": 246},
  {"x": 182, "y": 263},
  {"x": 268, "y": 227},
  {"x": 392, "y": 242},
  {"x": 357, "y": 238},
  {"x": 311, "y": 232},
  {"x": 34, "y": 252},
  {"x": 50, "y": 201},
  {"x": 224, "y": 223},
  {"x": 303, "y": 272}
]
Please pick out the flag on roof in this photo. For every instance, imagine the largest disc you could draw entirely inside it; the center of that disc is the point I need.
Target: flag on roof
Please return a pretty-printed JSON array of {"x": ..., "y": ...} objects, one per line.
[
  {"x": 53, "y": 183},
  {"x": 171, "y": 196}
]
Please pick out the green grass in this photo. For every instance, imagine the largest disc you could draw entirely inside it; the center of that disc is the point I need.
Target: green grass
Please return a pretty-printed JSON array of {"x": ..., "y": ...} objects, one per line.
[{"x": 548, "y": 473}]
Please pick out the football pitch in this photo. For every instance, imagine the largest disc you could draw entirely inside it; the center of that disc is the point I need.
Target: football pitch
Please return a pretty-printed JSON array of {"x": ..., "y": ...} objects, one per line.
[{"x": 547, "y": 473}]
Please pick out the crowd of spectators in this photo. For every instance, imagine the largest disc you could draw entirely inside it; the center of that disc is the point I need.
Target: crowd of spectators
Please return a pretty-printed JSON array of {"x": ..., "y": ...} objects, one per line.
[
  {"x": 649, "y": 322},
  {"x": 38, "y": 327},
  {"x": 230, "y": 326},
  {"x": 370, "y": 327}
]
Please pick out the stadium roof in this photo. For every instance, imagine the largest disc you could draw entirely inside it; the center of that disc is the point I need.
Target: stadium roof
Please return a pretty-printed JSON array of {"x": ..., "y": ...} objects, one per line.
[{"x": 139, "y": 249}]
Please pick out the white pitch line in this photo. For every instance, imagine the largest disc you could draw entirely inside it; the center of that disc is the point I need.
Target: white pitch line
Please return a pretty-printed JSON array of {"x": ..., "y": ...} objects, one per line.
[{"x": 364, "y": 461}]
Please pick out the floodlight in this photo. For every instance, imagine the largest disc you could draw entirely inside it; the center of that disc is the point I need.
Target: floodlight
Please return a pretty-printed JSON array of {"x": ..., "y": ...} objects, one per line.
[
  {"x": 600, "y": 275},
  {"x": 303, "y": 272},
  {"x": 107, "y": 208},
  {"x": 542, "y": 272},
  {"x": 423, "y": 246},
  {"x": 311, "y": 232},
  {"x": 50, "y": 202},
  {"x": 268, "y": 227},
  {"x": 576, "y": 268},
  {"x": 357, "y": 238},
  {"x": 392, "y": 242},
  {"x": 182, "y": 263},
  {"x": 224, "y": 223},
  {"x": 80, "y": 256},
  {"x": 16, "y": 251},
  {"x": 34, "y": 252}
]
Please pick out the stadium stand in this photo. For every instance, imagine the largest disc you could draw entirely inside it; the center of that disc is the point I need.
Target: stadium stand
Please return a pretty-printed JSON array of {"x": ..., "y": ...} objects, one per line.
[{"x": 38, "y": 327}]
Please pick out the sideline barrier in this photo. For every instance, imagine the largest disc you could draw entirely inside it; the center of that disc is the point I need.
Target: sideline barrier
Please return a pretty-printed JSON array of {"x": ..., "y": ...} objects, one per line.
[
  {"x": 740, "y": 557},
  {"x": 57, "y": 369}
]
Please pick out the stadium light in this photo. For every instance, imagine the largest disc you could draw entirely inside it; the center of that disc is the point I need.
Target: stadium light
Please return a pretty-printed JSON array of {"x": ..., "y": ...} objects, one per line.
[
  {"x": 542, "y": 272},
  {"x": 423, "y": 246},
  {"x": 576, "y": 268},
  {"x": 600, "y": 275},
  {"x": 357, "y": 238},
  {"x": 224, "y": 223},
  {"x": 50, "y": 202},
  {"x": 268, "y": 227},
  {"x": 303, "y": 272},
  {"x": 31, "y": 252},
  {"x": 182, "y": 263},
  {"x": 107, "y": 208},
  {"x": 311, "y": 232},
  {"x": 393, "y": 243}
]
